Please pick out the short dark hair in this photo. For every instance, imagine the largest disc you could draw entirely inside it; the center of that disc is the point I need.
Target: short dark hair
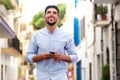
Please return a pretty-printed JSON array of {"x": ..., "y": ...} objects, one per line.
[{"x": 51, "y": 6}]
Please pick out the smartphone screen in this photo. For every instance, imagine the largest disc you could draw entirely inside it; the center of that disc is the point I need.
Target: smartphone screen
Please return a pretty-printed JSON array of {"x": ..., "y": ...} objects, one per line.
[{"x": 52, "y": 52}]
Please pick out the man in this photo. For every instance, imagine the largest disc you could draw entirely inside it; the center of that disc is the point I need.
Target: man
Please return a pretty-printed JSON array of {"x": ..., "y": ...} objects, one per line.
[{"x": 48, "y": 48}]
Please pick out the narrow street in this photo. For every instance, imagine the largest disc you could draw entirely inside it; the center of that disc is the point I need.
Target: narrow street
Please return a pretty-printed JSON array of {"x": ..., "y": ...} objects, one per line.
[{"x": 93, "y": 24}]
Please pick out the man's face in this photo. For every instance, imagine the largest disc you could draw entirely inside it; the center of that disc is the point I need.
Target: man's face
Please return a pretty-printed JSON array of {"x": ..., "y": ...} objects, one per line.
[{"x": 51, "y": 16}]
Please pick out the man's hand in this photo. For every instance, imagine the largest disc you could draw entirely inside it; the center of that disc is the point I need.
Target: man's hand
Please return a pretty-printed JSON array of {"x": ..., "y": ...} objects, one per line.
[
  {"x": 61, "y": 57},
  {"x": 47, "y": 55},
  {"x": 58, "y": 56},
  {"x": 43, "y": 56}
]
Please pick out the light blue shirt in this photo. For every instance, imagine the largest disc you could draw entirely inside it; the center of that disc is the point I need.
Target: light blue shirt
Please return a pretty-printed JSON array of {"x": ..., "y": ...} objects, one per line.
[{"x": 45, "y": 41}]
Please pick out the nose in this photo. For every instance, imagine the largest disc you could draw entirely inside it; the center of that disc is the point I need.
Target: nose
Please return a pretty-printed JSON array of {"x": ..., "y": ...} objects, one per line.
[{"x": 52, "y": 13}]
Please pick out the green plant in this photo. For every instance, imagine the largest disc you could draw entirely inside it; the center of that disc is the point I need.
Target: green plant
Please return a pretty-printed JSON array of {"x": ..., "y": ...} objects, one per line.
[
  {"x": 7, "y": 3},
  {"x": 102, "y": 10},
  {"x": 106, "y": 72},
  {"x": 32, "y": 66}
]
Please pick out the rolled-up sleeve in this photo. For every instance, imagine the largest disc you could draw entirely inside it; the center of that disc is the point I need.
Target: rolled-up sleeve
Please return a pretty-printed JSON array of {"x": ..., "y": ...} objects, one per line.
[
  {"x": 73, "y": 58},
  {"x": 32, "y": 49},
  {"x": 71, "y": 49}
]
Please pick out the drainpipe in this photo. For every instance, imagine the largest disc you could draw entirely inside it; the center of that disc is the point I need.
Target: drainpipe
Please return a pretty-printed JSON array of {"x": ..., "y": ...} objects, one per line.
[
  {"x": 102, "y": 56},
  {"x": 113, "y": 44}
]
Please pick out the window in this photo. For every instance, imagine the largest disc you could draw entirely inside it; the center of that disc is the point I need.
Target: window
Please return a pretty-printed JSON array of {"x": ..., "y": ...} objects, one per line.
[{"x": 83, "y": 28}]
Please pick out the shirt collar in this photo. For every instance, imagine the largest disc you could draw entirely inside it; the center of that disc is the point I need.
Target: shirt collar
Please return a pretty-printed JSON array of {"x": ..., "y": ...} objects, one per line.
[{"x": 53, "y": 31}]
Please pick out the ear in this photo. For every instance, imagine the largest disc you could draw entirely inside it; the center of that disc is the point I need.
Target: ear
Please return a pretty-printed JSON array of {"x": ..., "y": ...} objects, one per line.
[{"x": 44, "y": 17}]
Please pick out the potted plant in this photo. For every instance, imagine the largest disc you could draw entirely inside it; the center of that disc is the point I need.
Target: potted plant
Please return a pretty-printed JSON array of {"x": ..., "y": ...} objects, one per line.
[{"x": 102, "y": 11}]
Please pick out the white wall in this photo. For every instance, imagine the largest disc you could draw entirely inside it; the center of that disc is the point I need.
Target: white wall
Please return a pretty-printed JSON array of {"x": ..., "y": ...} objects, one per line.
[
  {"x": 3, "y": 42},
  {"x": 9, "y": 62},
  {"x": 10, "y": 17},
  {"x": 68, "y": 25},
  {"x": 9, "y": 67},
  {"x": 97, "y": 53},
  {"x": 86, "y": 50}
]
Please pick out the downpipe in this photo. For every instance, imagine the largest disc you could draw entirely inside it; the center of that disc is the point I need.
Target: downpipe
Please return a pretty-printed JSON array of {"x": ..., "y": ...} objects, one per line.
[{"x": 113, "y": 44}]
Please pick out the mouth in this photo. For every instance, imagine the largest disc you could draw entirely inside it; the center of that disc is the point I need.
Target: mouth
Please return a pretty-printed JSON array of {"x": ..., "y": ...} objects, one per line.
[{"x": 51, "y": 19}]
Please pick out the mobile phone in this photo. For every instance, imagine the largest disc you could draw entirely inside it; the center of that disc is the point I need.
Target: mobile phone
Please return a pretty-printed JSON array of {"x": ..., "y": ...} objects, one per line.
[{"x": 52, "y": 52}]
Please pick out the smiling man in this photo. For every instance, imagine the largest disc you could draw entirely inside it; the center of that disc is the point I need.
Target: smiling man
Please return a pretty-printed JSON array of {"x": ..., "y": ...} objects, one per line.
[{"x": 51, "y": 48}]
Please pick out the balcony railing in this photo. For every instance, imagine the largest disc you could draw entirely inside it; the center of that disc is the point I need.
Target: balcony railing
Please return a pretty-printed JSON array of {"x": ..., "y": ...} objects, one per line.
[{"x": 15, "y": 43}]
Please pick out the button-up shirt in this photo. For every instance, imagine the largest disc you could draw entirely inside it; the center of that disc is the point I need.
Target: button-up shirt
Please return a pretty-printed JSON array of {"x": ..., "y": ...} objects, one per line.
[{"x": 45, "y": 41}]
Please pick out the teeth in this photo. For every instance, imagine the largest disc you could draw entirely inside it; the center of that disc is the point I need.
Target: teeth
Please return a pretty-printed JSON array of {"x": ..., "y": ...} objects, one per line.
[{"x": 51, "y": 17}]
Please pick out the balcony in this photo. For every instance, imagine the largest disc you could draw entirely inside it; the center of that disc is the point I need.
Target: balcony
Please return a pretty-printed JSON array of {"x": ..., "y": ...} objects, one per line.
[
  {"x": 106, "y": 1},
  {"x": 14, "y": 43},
  {"x": 102, "y": 23},
  {"x": 13, "y": 48}
]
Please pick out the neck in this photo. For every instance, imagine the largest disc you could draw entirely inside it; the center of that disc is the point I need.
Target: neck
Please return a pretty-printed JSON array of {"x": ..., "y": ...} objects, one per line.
[{"x": 51, "y": 28}]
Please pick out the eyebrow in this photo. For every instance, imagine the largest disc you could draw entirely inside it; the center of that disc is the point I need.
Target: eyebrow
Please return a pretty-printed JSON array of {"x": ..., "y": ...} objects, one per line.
[{"x": 53, "y": 12}]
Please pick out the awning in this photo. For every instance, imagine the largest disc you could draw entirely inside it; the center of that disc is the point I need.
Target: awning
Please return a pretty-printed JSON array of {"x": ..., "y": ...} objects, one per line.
[{"x": 5, "y": 30}]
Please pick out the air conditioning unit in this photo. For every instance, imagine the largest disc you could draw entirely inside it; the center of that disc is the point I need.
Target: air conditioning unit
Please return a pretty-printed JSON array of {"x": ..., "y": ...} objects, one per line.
[{"x": 107, "y": 1}]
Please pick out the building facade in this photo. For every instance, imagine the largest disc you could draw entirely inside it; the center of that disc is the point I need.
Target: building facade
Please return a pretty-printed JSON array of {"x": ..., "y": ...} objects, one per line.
[
  {"x": 11, "y": 56},
  {"x": 99, "y": 46}
]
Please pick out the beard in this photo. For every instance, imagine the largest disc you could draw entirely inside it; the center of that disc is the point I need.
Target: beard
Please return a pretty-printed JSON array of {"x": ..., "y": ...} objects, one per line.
[{"x": 51, "y": 24}]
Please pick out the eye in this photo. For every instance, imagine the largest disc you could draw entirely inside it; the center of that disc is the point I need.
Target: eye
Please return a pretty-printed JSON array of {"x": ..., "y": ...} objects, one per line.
[
  {"x": 54, "y": 12},
  {"x": 48, "y": 12}
]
